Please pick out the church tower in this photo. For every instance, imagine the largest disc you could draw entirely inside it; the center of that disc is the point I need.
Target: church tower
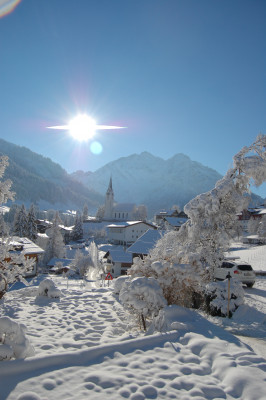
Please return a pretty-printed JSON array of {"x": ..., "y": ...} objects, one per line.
[{"x": 109, "y": 202}]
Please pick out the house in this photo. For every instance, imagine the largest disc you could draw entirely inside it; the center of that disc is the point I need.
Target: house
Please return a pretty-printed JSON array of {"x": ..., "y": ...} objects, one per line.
[
  {"x": 118, "y": 261},
  {"x": 168, "y": 217},
  {"x": 27, "y": 248},
  {"x": 126, "y": 233},
  {"x": 173, "y": 223},
  {"x": 145, "y": 243},
  {"x": 252, "y": 213},
  {"x": 59, "y": 265}
]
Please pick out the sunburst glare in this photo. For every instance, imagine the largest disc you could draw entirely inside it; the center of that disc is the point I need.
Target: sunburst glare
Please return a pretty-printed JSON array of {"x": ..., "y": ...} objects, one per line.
[{"x": 83, "y": 127}]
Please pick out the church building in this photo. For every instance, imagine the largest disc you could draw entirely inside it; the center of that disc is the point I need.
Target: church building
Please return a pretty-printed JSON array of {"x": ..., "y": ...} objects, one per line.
[{"x": 122, "y": 211}]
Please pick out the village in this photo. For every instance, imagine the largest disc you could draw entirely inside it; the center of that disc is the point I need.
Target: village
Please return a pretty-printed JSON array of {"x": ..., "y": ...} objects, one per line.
[{"x": 120, "y": 232}]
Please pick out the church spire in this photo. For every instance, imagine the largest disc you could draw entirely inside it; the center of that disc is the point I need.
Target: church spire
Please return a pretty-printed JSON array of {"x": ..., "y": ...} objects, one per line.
[
  {"x": 110, "y": 187},
  {"x": 109, "y": 201}
]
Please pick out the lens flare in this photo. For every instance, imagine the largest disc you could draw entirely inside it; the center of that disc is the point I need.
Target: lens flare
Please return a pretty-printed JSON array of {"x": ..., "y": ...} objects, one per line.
[
  {"x": 96, "y": 148},
  {"x": 82, "y": 127},
  {"x": 7, "y": 6}
]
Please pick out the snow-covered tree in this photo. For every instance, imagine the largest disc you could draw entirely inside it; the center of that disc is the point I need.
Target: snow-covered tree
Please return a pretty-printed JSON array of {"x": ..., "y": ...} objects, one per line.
[
  {"x": 5, "y": 186},
  {"x": 253, "y": 225},
  {"x": 262, "y": 227},
  {"x": 77, "y": 232},
  {"x": 202, "y": 240},
  {"x": 4, "y": 227},
  {"x": 100, "y": 212},
  {"x": 142, "y": 296},
  {"x": 12, "y": 265},
  {"x": 82, "y": 263},
  {"x": 93, "y": 251},
  {"x": 141, "y": 213},
  {"x": 21, "y": 222},
  {"x": 85, "y": 212},
  {"x": 56, "y": 245},
  {"x": 32, "y": 233}
]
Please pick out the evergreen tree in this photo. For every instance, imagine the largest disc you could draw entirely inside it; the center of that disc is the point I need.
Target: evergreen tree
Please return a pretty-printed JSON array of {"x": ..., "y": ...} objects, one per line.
[
  {"x": 21, "y": 222},
  {"x": 32, "y": 226},
  {"x": 85, "y": 212},
  {"x": 4, "y": 227},
  {"x": 262, "y": 227},
  {"x": 77, "y": 232},
  {"x": 56, "y": 245}
]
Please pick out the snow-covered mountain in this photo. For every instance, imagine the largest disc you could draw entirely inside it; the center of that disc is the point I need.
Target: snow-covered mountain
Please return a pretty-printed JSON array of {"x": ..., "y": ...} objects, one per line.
[
  {"x": 37, "y": 179},
  {"x": 146, "y": 179}
]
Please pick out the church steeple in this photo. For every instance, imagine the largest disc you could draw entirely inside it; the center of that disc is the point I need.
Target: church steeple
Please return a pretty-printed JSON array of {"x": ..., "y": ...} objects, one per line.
[
  {"x": 110, "y": 187},
  {"x": 109, "y": 201}
]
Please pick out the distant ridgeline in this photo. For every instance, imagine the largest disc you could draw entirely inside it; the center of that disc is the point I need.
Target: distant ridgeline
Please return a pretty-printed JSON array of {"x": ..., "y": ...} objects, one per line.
[
  {"x": 140, "y": 178},
  {"x": 149, "y": 180},
  {"x": 37, "y": 179}
]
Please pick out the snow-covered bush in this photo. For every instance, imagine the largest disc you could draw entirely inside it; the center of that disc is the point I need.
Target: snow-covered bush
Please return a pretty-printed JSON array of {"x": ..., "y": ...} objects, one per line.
[
  {"x": 179, "y": 282},
  {"x": 81, "y": 263},
  {"x": 48, "y": 288},
  {"x": 172, "y": 318},
  {"x": 216, "y": 297},
  {"x": 142, "y": 296},
  {"x": 13, "y": 340},
  {"x": 119, "y": 282}
]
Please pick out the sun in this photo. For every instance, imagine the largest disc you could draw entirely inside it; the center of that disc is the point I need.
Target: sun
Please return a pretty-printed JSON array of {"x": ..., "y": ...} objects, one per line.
[{"x": 82, "y": 127}]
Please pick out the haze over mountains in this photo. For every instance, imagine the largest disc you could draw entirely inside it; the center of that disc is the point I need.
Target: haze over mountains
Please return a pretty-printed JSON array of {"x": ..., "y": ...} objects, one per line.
[
  {"x": 39, "y": 180},
  {"x": 139, "y": 178},
  {"x": 157, "y": 183}
]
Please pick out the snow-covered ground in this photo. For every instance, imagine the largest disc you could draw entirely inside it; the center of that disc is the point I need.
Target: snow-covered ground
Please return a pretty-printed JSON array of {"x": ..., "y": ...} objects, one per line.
[
  {"x": 87, "y": 347},
  {"x": 254, "y": 255}
]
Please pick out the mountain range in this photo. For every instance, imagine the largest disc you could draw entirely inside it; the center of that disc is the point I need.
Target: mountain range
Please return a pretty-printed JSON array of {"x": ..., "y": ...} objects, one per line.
[
  {"x": 146, "y": 179},
  {"x": 139, "y": 178},
  {"x": 38, "y": 180}
]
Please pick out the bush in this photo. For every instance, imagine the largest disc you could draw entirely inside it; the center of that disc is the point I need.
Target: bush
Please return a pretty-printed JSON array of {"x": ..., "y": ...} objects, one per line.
[
  {"x": 13, "y": 341},
  {"x": 119, "y": 282},
  {"x": 142, "y": 296},
  {"x": 179, "y": 282},
  {"x": 216, "y": 297},
  {"x": 48, "y": 288}
]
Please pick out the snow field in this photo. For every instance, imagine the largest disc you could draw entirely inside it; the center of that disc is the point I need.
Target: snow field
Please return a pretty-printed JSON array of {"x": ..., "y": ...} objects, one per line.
[
  {"x": 254, "y": 255},
  {"x": 86, "y": 348}
]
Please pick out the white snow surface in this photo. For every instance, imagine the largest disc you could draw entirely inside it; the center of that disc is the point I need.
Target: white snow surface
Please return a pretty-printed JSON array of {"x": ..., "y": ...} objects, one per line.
[
  {"x": 86, "y": 347},
  {"x": 254, "y": 255}
]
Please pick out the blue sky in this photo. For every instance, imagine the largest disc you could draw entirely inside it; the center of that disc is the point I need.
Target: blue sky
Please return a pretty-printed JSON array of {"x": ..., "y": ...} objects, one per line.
[{"x": 184, "y": 76}]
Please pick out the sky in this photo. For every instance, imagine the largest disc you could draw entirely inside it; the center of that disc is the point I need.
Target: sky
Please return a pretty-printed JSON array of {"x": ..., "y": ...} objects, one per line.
[{"x": 184, "y": 76}]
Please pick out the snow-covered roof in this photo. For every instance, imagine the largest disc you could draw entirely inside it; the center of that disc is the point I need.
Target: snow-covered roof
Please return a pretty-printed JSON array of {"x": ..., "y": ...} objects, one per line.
[
  {"x": 262, "y": 211},
  {"x": 65, "y": 261},
  {"x": 175, "y": 221},
  {"x": 146, "y": 242},
  {"x": 4, "y": 209},
  {"x": 119, "y": 255},
  {"x": 28, "y": 247},
  {"x": 128, "y": 223}
]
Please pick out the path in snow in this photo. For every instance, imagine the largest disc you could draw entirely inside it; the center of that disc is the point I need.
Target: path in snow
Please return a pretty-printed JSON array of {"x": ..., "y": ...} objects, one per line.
[
  {"x": 83, "y": 351},
  {"x": 81, "y": 318}
]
